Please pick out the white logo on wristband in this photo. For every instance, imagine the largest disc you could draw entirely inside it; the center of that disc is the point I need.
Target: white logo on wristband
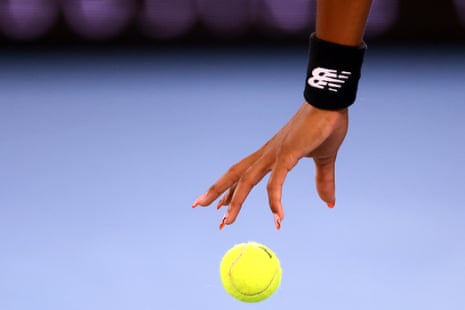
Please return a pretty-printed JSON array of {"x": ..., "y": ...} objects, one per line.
[{"x": 328, "y": 78}]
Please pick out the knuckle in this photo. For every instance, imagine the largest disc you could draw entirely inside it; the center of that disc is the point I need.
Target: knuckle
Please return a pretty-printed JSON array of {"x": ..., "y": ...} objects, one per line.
[
  {"x": 248, "y": 181},
  {"x": 271, "y": 186},
  {"x": 234, "y": 171},
  {"x": 288, "y": 161},
  {"x": 214, "y": 190},
  {"x": 324, "y": 161}
]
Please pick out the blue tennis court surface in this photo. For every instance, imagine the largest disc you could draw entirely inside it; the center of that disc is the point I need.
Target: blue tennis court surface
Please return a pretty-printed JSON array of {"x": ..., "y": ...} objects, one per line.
[{"x": 103, "y": 153}]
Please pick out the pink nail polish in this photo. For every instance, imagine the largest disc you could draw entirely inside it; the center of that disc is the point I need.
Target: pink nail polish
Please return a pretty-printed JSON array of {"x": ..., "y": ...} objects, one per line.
[
  {"x": 277, "y": 222},
  {"x": 196, "y": 202},
  {"x": 222, "y": 224}
]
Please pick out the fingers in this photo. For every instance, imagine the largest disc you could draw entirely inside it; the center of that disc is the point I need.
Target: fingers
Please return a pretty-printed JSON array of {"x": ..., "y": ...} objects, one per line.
[
  {"x": 237, "y": 195},
  {"x": 226, "y": 181},
  {"x": 275, "y": 188},
  {"x": 325, "y": 179},
  {"x": 310, "y": 133},
  {"x": 226, "y": 200}
]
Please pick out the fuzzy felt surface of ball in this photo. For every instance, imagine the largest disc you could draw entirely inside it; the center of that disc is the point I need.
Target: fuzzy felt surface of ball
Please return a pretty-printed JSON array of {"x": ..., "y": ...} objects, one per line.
[{"x": 250, "y": 272}]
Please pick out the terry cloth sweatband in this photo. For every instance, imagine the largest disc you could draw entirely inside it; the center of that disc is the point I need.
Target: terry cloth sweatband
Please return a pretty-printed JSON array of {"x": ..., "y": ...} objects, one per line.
[{"x": 332, "y": 74}]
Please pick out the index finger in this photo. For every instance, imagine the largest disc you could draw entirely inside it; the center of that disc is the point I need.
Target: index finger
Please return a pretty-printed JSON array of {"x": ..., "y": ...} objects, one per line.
[{"x": 227, "y": 180}]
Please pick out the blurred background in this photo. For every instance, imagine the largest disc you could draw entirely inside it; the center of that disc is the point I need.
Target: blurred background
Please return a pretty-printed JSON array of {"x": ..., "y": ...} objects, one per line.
[
  {"x": 116, "y": 114},
  {"x": 162, "y": 21}
]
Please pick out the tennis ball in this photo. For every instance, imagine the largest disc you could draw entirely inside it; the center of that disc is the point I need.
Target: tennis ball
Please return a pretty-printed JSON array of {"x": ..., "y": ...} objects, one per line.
[{"x": 250, "y": 272}]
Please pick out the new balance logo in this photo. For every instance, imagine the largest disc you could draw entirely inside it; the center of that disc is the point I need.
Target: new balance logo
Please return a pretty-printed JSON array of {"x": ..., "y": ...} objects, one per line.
[{"x": 328, "y": 78}]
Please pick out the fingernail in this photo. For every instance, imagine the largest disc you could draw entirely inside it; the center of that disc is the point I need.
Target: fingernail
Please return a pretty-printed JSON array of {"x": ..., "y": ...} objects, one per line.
[
  {"x": 277, "y": 222},
  {"x": 222, "y": 222},
  {"x": 197, "y": 201},
  {"x": 330, "y": 204},
  {"x": 220, "y": 204}
]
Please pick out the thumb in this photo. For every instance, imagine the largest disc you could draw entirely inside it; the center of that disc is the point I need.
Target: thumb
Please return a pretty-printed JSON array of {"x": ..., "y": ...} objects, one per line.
[{"x": 325, "y": 179}]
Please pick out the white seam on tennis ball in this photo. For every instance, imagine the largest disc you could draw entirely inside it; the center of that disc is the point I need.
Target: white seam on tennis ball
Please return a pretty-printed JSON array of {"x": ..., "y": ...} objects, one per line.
[{"x": 235, "y": 287}]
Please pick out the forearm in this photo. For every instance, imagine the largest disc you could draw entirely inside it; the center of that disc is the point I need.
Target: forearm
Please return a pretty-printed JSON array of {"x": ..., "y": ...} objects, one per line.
[{"x": 342, "y": 21}]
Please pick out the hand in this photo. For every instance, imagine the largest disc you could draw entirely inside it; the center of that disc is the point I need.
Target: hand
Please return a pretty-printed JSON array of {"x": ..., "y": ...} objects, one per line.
[{"x": 311, "y": 132}]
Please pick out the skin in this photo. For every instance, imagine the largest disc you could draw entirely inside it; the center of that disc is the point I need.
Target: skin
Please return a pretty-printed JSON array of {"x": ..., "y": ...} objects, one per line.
[{"x": 311, "y": 132}]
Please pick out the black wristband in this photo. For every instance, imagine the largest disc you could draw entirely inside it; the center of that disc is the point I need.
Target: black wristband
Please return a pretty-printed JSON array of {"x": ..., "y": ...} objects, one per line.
[{"x": 333, "y": 73}]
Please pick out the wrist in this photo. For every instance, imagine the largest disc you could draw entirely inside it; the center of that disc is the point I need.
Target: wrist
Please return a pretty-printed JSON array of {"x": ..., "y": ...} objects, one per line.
[{"x": 333, "y": 74}]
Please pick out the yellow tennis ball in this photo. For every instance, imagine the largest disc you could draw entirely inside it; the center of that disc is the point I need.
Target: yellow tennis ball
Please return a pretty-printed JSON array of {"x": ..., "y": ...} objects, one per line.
[{"x": 250, "y": 272}]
